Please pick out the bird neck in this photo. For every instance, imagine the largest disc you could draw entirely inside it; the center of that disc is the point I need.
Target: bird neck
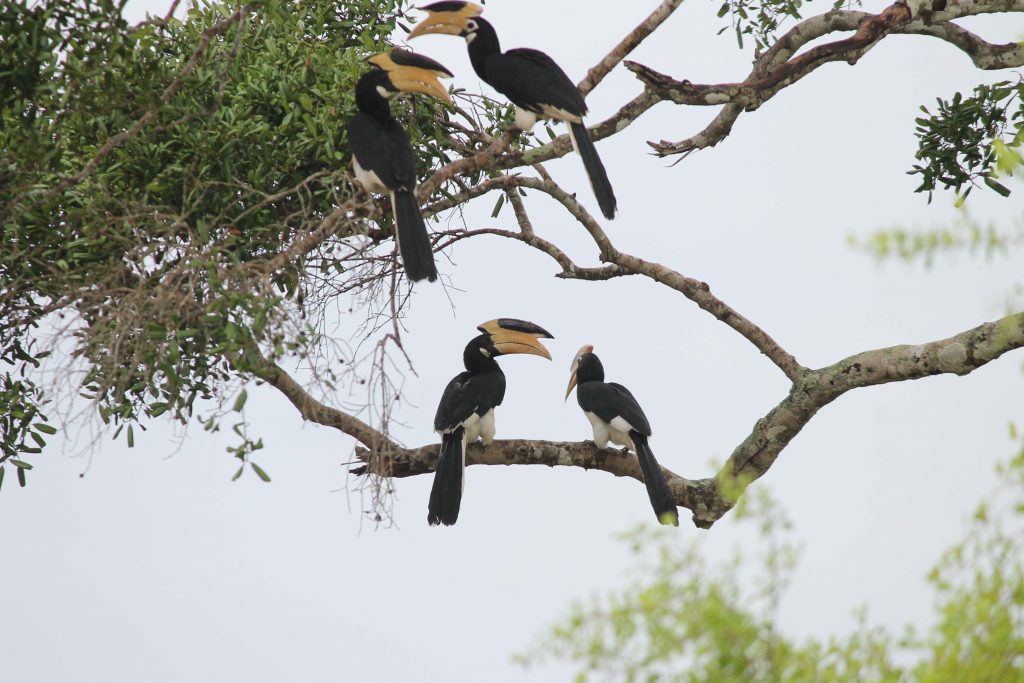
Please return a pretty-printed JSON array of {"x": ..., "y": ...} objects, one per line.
[
  {"x": 368, "y": 97},
  {"x": 475, "y": 360},
  {"x": 483, "y": 46},
  {"x": 590, "y": 369}
]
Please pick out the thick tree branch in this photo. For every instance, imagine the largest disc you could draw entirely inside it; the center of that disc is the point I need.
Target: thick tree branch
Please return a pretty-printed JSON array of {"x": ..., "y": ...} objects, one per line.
[
  {"x": 312, "y": 409},
  {"x": 985, "y": 55},
  {"x": 960, "y": 354}
]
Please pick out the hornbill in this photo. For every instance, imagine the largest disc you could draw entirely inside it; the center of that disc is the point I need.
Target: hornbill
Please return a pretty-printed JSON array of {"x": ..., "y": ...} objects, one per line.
[
  {"x": 615, "y": 415},
  {"x": 466, "y": 410},
  {"x": 382, "y": 156},
  {"x": 530, "y": 79}
]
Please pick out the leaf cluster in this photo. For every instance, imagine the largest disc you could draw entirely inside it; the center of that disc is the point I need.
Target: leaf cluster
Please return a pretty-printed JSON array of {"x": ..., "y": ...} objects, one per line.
[
  {"x": 154, "y": 177},
  {"x": 972, "y": 138}
]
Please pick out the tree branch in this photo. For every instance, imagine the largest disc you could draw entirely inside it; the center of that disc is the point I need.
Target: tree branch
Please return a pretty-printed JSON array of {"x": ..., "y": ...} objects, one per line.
[
  {"x": 645, "y": 28},
  {"x": 312, "y": 409},
  {"x": 711, "y": 498},
  {"x": 696, "y": 291},
  {"x": 777, "y": 68}
]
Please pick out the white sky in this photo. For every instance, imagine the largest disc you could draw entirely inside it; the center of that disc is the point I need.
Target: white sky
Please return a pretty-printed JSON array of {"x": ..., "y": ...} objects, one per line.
[{"x": 156, "y": 567}]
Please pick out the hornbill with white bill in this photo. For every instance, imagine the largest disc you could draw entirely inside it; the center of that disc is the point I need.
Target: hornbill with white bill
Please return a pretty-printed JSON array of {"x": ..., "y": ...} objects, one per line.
[
  {"x": 529, "y": 78},
  {"x": 382, "y": 155},
  {"x": 617, "y": 417},
  {"x": 466, "y": 410}
]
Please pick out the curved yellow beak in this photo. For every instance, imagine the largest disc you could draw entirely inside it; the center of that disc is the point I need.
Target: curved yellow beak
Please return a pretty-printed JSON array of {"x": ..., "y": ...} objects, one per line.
[
  {"x": 510, "y": 335},
  {"x": 586, "y": 348},
  {"x": 448, "y": 19},
  {"x": 411, "y": 72},
  {"x": 415, "y": 79}
]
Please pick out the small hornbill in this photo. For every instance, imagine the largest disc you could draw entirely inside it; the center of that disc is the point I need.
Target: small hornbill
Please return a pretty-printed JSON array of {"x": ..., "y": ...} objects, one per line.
[
  {"x": 616, "y": 416},
  {"x": 466, "y": 410},
  {"x": 382, "y": 155},
  {"x": 529, "y": 78}
]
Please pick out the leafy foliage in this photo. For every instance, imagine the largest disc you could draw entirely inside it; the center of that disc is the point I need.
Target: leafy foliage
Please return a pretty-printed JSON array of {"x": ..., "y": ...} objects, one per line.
[
  {"x": 761, "y": 19},
  {"x": 971, "y": 138},
  {"x": 154, "y": 180},
  {"x": 685, "y": 620}
]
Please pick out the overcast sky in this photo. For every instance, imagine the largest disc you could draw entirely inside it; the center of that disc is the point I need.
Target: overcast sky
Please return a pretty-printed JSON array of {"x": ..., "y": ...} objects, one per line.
[{"x": 155, "y": 567}]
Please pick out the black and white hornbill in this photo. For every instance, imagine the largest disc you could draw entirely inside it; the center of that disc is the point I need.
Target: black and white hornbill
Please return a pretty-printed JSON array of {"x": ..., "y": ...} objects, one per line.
[
  {"x": 529, "y": 78},
  {"x": 617, "y": 417},
  {"x": 382, "y": 155},
  {"x": 466, "y": 410}
]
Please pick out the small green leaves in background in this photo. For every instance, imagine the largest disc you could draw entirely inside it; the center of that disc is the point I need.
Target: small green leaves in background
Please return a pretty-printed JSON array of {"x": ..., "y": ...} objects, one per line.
[
  {"x": 965, "y": 234},
  {"x": 685, "y": 619},
  {"x": 973, "y": 139}
]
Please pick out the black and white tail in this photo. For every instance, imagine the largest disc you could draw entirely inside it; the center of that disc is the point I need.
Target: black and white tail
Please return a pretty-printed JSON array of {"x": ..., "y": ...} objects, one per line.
[
  {"x": 657, "y": 488},
  {"x": 446, "y": 493},
  {"x": 411, "y": 235},
  {"x": 602, "y": 187}
]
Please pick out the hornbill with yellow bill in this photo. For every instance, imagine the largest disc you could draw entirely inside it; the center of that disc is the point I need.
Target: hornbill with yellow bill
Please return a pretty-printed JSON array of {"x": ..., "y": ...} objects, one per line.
[
  {"x": 466, "y": 410},
  {"x": 382, "y": 156},
  {"x": 529, "y": 78},
  {"x": 616, "y": 416}
]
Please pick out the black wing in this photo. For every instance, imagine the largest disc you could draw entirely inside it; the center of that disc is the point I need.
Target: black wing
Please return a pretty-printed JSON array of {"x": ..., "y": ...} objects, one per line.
[
  {"x": 384, "y": 149},
  {"x": 467, "y": 394},
  {"x": 609, "y": 400},
  {"x": 530, "y": 78}
]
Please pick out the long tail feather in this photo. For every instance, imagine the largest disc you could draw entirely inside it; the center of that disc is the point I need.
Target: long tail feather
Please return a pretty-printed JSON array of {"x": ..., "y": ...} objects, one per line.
[
  {"x": 657, "y": 488},
  {"x": 595, "y": 169},
  {"x": 446, "y": 493},
  {"x": 411, "y": 235}
]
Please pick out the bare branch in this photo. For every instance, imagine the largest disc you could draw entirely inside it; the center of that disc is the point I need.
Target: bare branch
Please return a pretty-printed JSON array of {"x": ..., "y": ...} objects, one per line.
[
  {"x": 777, "y": 68},
  {"x": 627, "y": 45},
  {"x": 694, "y": 290}
]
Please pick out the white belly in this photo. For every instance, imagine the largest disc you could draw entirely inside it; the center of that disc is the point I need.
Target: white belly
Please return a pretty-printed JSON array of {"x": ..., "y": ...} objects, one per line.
[
  {"x": 617, "y": 432},
  {"x": 370, "y": 181},
  {"x": 480, "y": 427}
]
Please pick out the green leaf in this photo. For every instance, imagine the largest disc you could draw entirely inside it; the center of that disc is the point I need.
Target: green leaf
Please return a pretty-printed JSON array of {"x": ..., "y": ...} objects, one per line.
[
  {"x": 497, "y": 206},
  {"x": 240, "y": 401},
  {"x": 21, "y": 477},
  {"x": 238, "y": 473},
  {"x": 131, "y": 437},
  {"x": 997, "y": 186},
  {"x": 45, "y": 428},
  {"x": 20, "y": 464},
  {"x": 259, "y": 471}
]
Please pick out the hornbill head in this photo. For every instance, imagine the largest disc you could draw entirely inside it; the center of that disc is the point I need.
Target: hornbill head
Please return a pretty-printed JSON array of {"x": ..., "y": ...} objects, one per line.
[
  {"x": 584, "y": 355},
  {"x": 509, "y": 335},
  {"x": 410, "y": 72},
  {"x": 449, "y": 18}
]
